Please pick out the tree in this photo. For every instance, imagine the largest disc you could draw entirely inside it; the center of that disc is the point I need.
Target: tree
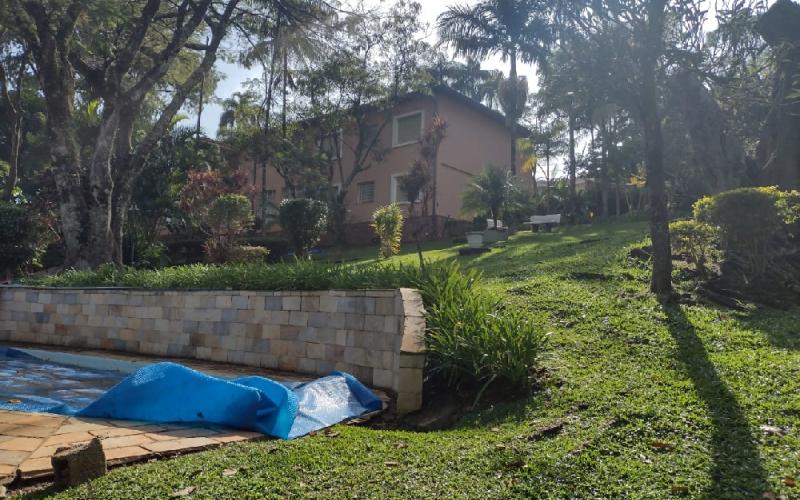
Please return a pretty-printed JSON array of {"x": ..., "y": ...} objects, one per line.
[
  {"x": 517, "y": 30},
  {"x": 12, "y": 99},
  {"x": 640, "y": 41},
  {"x": 120, "y": 61},
  {"x": 490, "y": 192},
  {"x": 349, "y": 96},
  {"x": 305, "y": 220},
  {"x": 228, "y": 216}
]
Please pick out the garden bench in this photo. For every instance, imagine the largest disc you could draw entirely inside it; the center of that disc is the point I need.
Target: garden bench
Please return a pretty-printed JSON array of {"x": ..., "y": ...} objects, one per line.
[{"x": 548, "y": 221}]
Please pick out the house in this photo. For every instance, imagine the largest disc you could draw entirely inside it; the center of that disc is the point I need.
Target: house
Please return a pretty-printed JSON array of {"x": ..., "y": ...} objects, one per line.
[{"x": 477, "y": 136}]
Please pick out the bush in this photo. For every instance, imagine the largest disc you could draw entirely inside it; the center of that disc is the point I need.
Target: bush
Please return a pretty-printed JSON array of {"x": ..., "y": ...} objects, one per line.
[
  {"x": 696, "y": 240},
  {"x": 472, "y": 336},
  {"x": 18, "y": 236},
  {"x": 388, "y": 225},
  {"x": 305, "y": 220},
  {"x": 751, "y": 222},
  {"x": 241, "y": 254},
  {"x": 228, "y": 216}
]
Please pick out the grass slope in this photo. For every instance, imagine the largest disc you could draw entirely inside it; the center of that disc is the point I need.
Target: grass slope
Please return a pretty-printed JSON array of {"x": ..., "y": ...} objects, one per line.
[{"x": 653, "y": 402}]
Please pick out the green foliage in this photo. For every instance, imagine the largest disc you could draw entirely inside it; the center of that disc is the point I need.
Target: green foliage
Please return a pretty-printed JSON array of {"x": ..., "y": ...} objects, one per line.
[
  {"x": 228, "y": 216},
  {"x": 752, "y": 222},
  {"x": 472, "y": 336},
  {"x": 18, "y": 236},
  {"x": 491, "y": 192},
  {"x": 243, "y": 254},
  {"x": 305, "y": 220},
  {"x": 696, "y": 240},
  {"x": 388, "y": 225}
]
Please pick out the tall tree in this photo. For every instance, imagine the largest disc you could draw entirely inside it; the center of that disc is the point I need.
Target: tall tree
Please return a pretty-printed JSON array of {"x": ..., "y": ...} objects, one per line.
[
  {"x": 516, "y": 30},
  {"x": 119, "y": 55}
]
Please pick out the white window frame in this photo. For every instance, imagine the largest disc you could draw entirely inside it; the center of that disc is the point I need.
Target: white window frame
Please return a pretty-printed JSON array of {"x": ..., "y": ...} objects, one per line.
[
  {"x": 395, "y": 129},
  {"x": 374, "y": 187},
  {"x": 340, "y": 133},
  {"x": 394, "y": 186}
]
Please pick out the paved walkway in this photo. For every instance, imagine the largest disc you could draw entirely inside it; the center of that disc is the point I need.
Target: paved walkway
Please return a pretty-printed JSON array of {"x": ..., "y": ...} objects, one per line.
[{"x": 29, "y": 440}]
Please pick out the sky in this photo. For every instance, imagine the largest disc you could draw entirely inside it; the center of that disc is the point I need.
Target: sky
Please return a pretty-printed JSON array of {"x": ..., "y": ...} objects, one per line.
[{"x": 235, "y": 75}]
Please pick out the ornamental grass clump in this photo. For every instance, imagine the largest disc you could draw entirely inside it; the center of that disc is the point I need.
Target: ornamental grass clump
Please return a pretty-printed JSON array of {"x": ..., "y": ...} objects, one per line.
[{"x": 387, "y": 222}]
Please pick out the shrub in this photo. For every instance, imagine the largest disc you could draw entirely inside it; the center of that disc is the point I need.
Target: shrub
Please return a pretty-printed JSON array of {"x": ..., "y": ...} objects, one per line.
[
  {"x": 305, "y": 220},
  {"x": 388, "y": 225},
  {"x": 471, "y": 335},
  {"x": 241, "y": 254},
  {"x": 228, "y": 216},
  {"x": 18, "y": 236},
  {"x": 750, "y": 222},
  {"x": 695, "y": 240}
]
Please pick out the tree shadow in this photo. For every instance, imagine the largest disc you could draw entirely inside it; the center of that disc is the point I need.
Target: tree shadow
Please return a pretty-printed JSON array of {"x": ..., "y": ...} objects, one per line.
[
  {"x": 778, "y": 326},
  {"x": 737, "y": 469}
]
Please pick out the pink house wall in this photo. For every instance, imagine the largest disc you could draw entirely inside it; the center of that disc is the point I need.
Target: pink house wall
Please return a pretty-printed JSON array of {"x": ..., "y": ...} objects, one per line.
[{"x": 474, "y": 140}]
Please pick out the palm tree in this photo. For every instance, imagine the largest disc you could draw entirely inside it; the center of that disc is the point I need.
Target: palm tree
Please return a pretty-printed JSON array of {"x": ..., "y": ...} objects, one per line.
[
  {"x": 516, "y": 30},
  {"x": 491, "y": 192}
]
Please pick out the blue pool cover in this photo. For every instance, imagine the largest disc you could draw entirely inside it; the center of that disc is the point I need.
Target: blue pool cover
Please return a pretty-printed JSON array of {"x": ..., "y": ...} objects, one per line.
[{"x": 170, "y": 392}]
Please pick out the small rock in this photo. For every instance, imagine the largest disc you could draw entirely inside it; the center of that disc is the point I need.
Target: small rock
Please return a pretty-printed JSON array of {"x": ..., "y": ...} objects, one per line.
[{"x": 78, "y": 463}]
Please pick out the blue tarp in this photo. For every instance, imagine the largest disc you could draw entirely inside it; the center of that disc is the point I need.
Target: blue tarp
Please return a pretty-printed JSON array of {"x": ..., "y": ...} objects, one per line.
[{"x": 169, "y": 392}]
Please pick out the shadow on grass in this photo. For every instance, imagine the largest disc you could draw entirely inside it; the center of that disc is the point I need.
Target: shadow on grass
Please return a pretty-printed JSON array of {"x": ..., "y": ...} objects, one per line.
[
  {"x": 778, "y": 326},
  {"x": 737, "y": 469}
]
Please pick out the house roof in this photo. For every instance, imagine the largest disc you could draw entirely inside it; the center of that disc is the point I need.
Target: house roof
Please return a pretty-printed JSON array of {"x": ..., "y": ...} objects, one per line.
[{"x": 477, "y": 106}]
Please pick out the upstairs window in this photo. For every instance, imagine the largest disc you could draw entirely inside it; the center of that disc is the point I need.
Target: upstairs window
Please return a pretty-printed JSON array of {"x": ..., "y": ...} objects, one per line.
[
  {"x": 366, "y": 192},
  {"x": 407, "y": 128},
  {"x": 331, "y": 146},
  {"x": 398, "y": 194}
]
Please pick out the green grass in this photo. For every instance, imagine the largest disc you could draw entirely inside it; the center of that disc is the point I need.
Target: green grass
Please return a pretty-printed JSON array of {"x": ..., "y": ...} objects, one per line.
[{"x": 652, "y": 399}]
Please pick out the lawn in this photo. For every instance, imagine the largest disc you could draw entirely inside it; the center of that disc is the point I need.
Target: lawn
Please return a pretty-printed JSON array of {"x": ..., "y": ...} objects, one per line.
[{"x": 640, "y": 400}]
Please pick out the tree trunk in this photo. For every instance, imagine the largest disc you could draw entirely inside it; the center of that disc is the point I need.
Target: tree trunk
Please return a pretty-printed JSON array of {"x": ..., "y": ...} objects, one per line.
[
  {"x": 661, "y": 280},
  {"x": 100, "y": 243},
  {"x": 573, "y": 195},
  {"x": 512, "y": 122},
  {"x": 604, "y": 178},
  {"x": 15, "y": 108}
]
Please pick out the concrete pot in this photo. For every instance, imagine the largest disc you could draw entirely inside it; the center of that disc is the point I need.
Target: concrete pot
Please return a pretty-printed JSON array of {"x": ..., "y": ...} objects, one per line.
[
  {"x": 475, "y": 239},
  {"x": 494, "y": 235}
]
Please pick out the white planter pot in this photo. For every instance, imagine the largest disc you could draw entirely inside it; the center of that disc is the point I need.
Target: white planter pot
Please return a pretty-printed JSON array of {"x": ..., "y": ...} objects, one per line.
[{"x": 475, "y": 239}]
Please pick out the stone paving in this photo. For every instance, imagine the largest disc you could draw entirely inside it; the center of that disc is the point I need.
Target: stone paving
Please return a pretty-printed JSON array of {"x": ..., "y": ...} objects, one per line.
[{"x": 29, "y": 440}]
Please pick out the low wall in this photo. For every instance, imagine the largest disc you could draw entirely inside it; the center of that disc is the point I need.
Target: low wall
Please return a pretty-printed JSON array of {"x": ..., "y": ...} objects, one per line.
[{"x": 376, "y": 335}]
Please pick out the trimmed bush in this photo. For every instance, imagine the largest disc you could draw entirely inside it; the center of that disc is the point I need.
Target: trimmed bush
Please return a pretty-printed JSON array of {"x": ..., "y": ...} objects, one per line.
[
  {"x": 751, "y": 222},
  {"x": 18, "y": 236},
  {"x": 228, "y": 216},
  {"x": 388, "y": 225},
  {"x": 695, "y": 240},
  {"x": 472, "y": 336},
  {"x": 305, "y": 220},
  {"x": 241, "y": 254}
]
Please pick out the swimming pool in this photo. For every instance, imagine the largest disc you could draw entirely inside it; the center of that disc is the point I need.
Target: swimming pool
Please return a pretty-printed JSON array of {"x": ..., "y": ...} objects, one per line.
[{"x": 35, "y": 380}]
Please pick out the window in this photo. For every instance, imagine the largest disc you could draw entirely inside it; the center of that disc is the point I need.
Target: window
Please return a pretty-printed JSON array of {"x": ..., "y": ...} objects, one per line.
[
  {"x": 286, "y": 194},
  {"x": 407, "y": 128},
  {"x": 269, "y": 196},
  {"x": 331, "y": 145},
  {"x": 368, "y": 134},
  {"x": 366, "y": 192},
  {"x": 398, "y": 195}
]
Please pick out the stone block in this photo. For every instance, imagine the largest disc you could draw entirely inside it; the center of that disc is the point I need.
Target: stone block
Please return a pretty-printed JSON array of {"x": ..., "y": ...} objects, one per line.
[
  {"x": 297, "y": 318},
  {"x": 306, "y": 365},
  {"x": 240, "y": 302},
  {"x": 223, "y": 302},
  {"x": 408, "y": 402},
  {"x": 382, "y": 378},
  {"x": 373, "y": 323},
  {"x": 310, "y": 303},
  {"x": 354, "y": 321},
  {"x": 291, "y": 303},
  {"x": 315, "y": 350},
  {"x": 270, "y": 331},
  {"x": 79, "y": 463},
  {"x": 355, "y": 355}
]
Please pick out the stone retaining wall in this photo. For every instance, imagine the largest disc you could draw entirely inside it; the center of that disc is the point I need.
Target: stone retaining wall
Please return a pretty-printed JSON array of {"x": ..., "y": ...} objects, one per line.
[{"x": 376, "y": 335}]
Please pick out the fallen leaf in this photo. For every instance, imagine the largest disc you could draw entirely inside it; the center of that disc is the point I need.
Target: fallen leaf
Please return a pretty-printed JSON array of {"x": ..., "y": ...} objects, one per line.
[
  {"x": 230, "y": 472},
  {"x": 499, "y": 446},
  {"x": 495, "y": 429},
  {"x": 661, "y": 446},
  {"x": 14, "y": 401},
  {"x": 768, "y": 495},
  {"x": 680, "y": 489},
  {"x": 772, "y": 430},
  {"x": 402, "y": 445},
  {"x": 331, "y": 434},
  {"x": 184, "y": 492},
  {"x": 790, "y": 481},
  {"x": 391, "y": 464}
]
